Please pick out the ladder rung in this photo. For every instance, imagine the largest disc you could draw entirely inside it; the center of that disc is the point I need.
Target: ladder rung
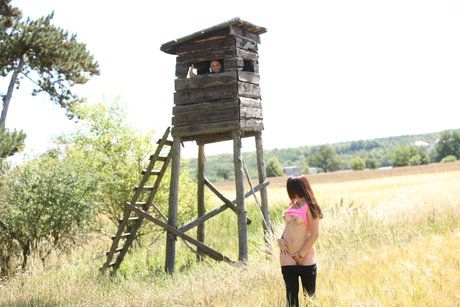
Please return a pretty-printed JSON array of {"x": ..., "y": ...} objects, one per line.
[
  {"x": 147, "y": 187},
  {"x": 137, "y": 203},
  {"x": 130, "y": 219},
  {"x": 115, "y": 251},
  {"x": 123, "y": 235},
  {"x": 153, "y": 172},
  {"x": 167, "y": 142},
  {"x": 159, "y": 158},
  {"x": 112, "y": 264}
]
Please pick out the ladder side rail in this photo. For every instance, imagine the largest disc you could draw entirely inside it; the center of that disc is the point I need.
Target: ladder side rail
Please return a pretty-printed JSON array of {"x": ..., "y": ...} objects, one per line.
[
  {"x": 156, "y": 186},
  {"x": 147, "y": 174},
  {"x": 116, "y": 239},
  {"x": 127, "y": 212}
]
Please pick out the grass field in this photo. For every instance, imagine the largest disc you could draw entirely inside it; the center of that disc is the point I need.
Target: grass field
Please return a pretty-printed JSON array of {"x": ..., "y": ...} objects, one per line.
[{"x": 389, "y": 238}]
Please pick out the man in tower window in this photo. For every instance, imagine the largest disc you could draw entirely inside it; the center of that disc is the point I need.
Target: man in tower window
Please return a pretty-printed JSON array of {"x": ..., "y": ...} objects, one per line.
[{"x": 215, "y": 67}]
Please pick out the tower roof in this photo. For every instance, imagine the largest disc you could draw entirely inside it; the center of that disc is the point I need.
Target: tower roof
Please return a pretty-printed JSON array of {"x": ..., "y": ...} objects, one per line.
[{"x": 170, "y": 47}]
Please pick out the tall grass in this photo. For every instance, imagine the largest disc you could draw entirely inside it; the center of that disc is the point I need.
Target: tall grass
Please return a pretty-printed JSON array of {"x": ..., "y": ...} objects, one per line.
[{"x": 384, "y": 242}]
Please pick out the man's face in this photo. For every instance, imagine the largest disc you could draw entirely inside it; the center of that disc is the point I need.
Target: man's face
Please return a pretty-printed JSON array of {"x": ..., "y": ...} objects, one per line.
[{"x": 216, "y": 67}]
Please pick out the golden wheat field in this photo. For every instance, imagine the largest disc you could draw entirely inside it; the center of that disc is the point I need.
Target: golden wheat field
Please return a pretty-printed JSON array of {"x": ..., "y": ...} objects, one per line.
[{"x": 389, "y": 238}]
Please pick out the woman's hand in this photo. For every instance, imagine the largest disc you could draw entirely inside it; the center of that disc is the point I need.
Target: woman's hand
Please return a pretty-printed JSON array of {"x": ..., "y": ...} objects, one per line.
[
  {"x": 297, "y": 257},
  {"x": 283, "y": 246}
]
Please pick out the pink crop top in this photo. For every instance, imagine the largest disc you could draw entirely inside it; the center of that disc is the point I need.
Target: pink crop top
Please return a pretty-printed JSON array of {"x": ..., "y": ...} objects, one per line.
[{"x": 300, "y": 212}]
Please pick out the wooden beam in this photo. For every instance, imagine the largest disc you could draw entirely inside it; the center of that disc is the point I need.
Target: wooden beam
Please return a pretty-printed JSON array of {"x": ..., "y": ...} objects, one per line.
[
  {"x": 214, "y": 105},
  {"x": 215, "y": 93},
  {"x": 222, "y": 208},
  {"x": 173, "y": 204},
  {"x": 222, "y": 114},
  {"x": 237, "y": 31},
  {"x": 267, "y": 226},
  {"x": 200, "y": 232},
  {"x": 202, "y": 129},
  {"x": 250, "y": 77},
  {"x": 239, "y": 186},
  {"x": 205, "y": 249},
  {"x": 208, "y": 80},
  {"x": 221, "y": 197},
  {"x": 203, "y": 218}
]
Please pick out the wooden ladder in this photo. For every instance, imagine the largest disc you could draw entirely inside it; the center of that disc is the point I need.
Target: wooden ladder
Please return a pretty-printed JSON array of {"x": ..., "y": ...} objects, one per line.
[{"x": 131, "y": 219}]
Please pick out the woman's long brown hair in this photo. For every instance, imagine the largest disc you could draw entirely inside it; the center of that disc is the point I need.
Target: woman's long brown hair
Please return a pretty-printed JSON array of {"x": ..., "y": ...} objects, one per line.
[{"x": 300, "y": 186}]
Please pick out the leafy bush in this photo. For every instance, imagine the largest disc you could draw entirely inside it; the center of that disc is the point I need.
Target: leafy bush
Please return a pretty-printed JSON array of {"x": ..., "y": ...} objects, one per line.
[
  {"x": 357, "y": 163},
  {"x": 407, "y": 155},
  {"x": 50, "y": 201},
  {"x": 273, "y": 168},
  {"x": 448, "y": 159},
  {"x": 448, "y": 145},
  {"x": 371, "y": 163}
]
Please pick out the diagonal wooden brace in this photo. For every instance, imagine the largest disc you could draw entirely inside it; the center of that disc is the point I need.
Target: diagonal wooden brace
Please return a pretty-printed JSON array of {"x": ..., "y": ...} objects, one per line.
[
  {"x": 224, "y": 207},
  {"x": 203, "y": 248}
]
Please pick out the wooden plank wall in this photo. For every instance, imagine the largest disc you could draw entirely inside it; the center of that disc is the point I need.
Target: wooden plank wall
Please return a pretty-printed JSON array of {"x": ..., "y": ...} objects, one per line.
[{"x": 214, "y": 104}]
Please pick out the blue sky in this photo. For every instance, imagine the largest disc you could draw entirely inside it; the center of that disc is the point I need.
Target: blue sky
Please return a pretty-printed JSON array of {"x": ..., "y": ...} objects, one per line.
[{"x": 331, "y": 71}]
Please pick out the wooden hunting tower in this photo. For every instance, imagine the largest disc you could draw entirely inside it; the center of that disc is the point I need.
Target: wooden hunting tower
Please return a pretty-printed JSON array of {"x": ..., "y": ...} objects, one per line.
[{"x": 210, "y": 107}]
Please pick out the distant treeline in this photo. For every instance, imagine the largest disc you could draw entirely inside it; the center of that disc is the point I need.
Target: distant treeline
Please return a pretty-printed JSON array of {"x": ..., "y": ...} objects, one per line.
[{"x": 380, "y": 152}]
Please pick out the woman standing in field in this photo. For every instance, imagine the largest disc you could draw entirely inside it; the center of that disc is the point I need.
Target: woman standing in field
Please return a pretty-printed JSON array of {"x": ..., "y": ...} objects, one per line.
[{"x": 297, "y": 254}]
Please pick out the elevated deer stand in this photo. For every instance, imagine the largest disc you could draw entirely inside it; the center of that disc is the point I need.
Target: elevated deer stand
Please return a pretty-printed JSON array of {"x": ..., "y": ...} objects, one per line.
[{"x": 208, "y": 108}]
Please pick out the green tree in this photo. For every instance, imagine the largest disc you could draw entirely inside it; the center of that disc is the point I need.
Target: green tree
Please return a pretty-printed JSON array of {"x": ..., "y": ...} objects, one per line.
[
  {"x": 325, "y": 158},
  {"x": 406, "y": 155},
  {"x": 9, "y": 14},
  {"x": 371, "y": 163},
  {"x": 306, "y": 168},
  {"x": 357, "y": 163},
  {"x": 223, "y": 172},
  {"x": 10, "y": 142},
  {"x": 448, "y": 144},
  {"x": 50, "y": 200},
  {"x": 117, "y": 154},
  {"x": 448, "y": 159},
  {"x": 273, "y": 168},
  {"x": 46, "y": 55}
]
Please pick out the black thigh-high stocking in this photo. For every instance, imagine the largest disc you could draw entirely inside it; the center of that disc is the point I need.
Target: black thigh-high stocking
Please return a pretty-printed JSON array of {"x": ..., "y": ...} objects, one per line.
[
  {"x": 291, "y": 279},
  {"x": 308, "y": 277},
  {"x": 291, "y": 274}
]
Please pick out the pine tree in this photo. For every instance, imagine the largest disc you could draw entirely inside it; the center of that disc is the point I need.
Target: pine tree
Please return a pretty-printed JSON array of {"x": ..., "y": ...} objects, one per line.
[
  {"x": 43, "y": 53},
  {"x": 10, "y": 142}
]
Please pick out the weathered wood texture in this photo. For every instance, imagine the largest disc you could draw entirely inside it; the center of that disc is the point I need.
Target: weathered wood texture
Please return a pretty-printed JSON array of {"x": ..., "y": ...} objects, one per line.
[
  {"x": 236, "y": 27},
  {"x": 205, "y": 94},
  {"x": 216, "y": 137},
  {"x": 239, "y": 186},
  {"x": 266, "y": 224},
  {"x": 200, "y": 232},
  {"x": 221, "y": 53},
  {"x": 212, "y": 120},
  {"x": 173, "y": 204},
  {"x": 238, "y": 31},
  {"x": 210, "y": 80},
  {"x": 173, "y": 232},
  {"x": 219, "y": 92},
  {"x": 217, "y": 42}
]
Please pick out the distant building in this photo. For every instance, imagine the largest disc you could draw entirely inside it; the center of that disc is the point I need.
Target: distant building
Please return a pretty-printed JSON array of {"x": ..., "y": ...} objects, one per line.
[
  {"x": 297, "y": 170},
  {"x": 292, "y": 170},
  {"x": 421, "y": 144}
]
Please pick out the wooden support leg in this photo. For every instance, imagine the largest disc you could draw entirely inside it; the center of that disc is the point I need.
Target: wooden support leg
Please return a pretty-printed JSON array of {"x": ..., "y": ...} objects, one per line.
[
  {"x": 268, "y": 229},
  {"x": 173, "y": 204},
  {"x": 200, "y": 195},
  {"x": 242, "y": 227}
]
